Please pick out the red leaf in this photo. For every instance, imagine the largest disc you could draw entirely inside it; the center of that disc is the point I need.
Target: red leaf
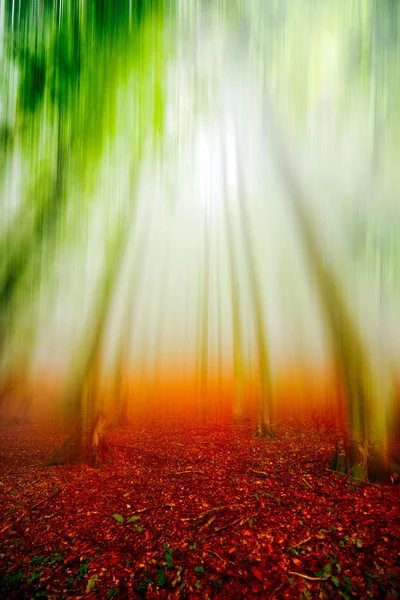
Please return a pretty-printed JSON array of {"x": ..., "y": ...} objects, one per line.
[{"x": 257, "y": 573}]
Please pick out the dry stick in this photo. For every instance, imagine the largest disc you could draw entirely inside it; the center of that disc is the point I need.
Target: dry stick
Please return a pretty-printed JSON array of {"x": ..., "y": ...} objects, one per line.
[
  {"x": 275, "y": 590},
  {"x": 220, "y": 557},
  {"x": 230, "y": 524},
  {"x": 261, "y": 473},
  {"x": 302, "y": 542},
  {"x": 211, "y": 511},
  {"x": 178, "y": 473},
  {"x": 345, "y": 476},
  {"x": 142, "y": 510},
  {"x": 308, "y": 577},
  {"x": 306, "y": 483},
  {"x": 208, "y": 522}
]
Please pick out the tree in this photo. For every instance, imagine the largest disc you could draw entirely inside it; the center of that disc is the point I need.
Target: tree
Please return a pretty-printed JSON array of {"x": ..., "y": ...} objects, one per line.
[
  {"x": 363, "y": 453},
  {"x": 264, "y": 426}
]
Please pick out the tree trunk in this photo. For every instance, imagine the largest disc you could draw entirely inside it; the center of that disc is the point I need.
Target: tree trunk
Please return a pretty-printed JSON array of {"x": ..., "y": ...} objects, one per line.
[
  {"x": 362, "y": 453},
  {"x": 264, "y": 428}
]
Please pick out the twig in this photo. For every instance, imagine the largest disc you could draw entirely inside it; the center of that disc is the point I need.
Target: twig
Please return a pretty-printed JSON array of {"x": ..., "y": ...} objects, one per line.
[
  {"x": 189, "y": 472},
  {"x": 306, "y": 483},
  {"x": 346, "y": 476},
  {"x": 212, "y": 511},
  {"x": 301, "y": 543},
  {"x": 220, "y": 557},
  {"x": 308, "y": 577},
  {"x": 142, "y": 510},
  {"x": 230, "y": 524},
  {"x": 261, "y": 473},
  {"x": 208, "y": 522},
  {"x": 275, "y": 590}
]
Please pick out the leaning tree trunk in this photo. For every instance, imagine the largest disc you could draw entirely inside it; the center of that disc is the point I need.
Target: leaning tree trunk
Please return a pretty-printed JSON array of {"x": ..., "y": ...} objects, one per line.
[
  {"x": 82, "y": 412},
  {"x": 362, "y": 453}
]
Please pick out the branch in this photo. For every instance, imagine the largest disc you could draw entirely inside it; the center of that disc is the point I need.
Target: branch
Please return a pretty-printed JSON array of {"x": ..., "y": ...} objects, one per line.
[
  {"x": 308, "y": 577},
  {"x": 212, "y": 511},
  {"x": 306, "y": 483},
  {"x": 220, "y": 557},
  {"x": 189, "y": 472},
  {"x": 230, "y": 524},
  {"x": 142, "y": 510},
  {"x": 260, "y": 473},
  {"x": 301, "y": 543}
]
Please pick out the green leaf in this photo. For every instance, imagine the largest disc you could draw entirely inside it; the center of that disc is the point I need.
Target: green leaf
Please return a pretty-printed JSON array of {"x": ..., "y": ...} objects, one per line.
[
  {"x": 138, "y": 528},
  {"x": 169, "y": 561},
  {"x": 111, "y": 592},
  {"x": 199, "y": 570},
  {"x": 133, "y": 519},
  {"x": 118, "y": 518},
  {"x": 359, "y": 543},
  {"x": 192, "y": 547},
  {"x": 335, "y": 581},
  {"x": 91, "y": 583},
  {"x": 327, "y": 569},
  {"x": 162, "y": 578}
]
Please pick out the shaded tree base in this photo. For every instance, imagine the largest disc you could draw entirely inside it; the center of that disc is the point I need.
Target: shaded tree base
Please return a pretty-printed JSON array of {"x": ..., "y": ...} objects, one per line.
[
  {"x": 364, "y": 461},
  {"x": 264, "y": 431},
  {"x": 93, "y": 448}
]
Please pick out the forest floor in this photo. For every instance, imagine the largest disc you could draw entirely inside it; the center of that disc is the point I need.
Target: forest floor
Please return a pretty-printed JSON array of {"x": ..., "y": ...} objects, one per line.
[{"x": 194, "y": 511}]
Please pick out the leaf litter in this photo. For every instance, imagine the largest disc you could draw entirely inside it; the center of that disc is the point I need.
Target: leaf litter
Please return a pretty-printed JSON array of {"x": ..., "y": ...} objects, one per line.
[{"x": 171, "y": 516}]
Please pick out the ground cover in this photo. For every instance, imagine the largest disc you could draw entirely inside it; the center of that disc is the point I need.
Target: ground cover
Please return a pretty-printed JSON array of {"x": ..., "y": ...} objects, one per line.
[{"x": 189, "y": 510}]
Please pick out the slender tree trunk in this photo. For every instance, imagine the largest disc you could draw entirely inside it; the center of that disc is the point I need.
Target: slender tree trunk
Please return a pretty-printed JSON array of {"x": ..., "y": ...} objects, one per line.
[
  {"x": 204, "y": 328},
  {"x": 238, "y": 358},
  {"x": 264, "y": 427}
]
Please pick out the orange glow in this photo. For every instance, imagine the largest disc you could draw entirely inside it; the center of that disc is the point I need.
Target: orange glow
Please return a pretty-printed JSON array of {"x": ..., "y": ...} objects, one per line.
[{"x": 299, "y": 390}]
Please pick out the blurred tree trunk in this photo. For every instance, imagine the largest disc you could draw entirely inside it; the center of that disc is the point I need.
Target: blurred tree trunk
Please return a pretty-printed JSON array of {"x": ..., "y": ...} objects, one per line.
[
  {"x": 264, "y": 427},
  {"x": 238, "y": 359},
  {"x": 82, "y": 412},
  {"x": 363, "y": 452}
]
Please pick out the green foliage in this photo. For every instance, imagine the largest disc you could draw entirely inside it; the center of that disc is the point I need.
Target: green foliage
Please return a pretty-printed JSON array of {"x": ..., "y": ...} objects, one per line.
[
  {"x": 133, "y": 519},
  {"x": 118, "y": 518},
  {"x": 83, "y": 570},
  {"x": 162, "y": 577},
  {"x": 32, "y": 82},
  {"x": 91, "y": 583},
  {"x": 199, "y": 570},
  {"x": 168, "y": 555}
]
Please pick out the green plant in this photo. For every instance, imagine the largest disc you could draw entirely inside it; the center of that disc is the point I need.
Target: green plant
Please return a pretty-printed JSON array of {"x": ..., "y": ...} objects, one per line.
[
  {"x": 199, "y": 570},
  {"x": 168, "y": 555},
  {"x": 118, "y": 518},
  {"x": 83, "y": 570},
  {"x": 91, "y": 583},
  {"x": 133, "y": 519}
]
